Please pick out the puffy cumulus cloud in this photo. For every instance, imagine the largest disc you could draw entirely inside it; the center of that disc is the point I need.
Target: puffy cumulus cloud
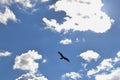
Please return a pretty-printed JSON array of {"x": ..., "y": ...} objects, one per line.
[
  {"x": 66, "y": 41},
  {"x": 106, "y": 64},
  {"x": 81, "y": 15},
  {"x": 31, "y": 76},
  {"x": 4, "y": 54},
  {"x": 7, "y": 15},
  {"x": 89, "y": 55},
  {"x": 26, "y": 61},
  {"x": 71, "y": 75},
  {"x": 108, "y": 69},
  {"x": 114, "y": 75}
]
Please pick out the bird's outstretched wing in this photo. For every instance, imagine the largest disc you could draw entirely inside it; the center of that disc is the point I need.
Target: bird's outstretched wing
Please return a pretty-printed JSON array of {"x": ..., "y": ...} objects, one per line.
[
  {"x": 60, "y": 54},
  {"x": 66, "y": 59},
  {"x": 63, "y": 57}
]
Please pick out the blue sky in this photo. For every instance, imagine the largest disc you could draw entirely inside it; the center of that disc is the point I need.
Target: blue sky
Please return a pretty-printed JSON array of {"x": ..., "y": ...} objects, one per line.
[{"x": 85, "y": 31}]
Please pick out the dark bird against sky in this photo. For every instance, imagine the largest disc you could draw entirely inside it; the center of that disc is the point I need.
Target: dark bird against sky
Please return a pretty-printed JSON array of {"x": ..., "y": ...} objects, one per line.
[{"x": 63, "y": 57}]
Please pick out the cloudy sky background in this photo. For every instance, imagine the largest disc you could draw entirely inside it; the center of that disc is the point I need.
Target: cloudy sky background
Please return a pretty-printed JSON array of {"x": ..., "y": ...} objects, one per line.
[{"x": 85, "y": 31}]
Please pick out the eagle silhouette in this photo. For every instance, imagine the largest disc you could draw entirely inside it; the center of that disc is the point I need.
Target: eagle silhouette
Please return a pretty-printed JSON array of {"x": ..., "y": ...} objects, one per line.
[{"x": 63, "y": 57}]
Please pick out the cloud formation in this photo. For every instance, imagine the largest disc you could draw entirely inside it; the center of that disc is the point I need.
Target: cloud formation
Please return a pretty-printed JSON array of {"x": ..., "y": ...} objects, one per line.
[
  {"x": 90, "y": 55},
  {"x": 71, "y": 75},
  {"x": 27, "y": 3},
  {"x": 108, "y": 69},
  {"x": 30, "y": 76},
  {"x": 21, "y": 4},
  {"x": 26, "y": 61},
  {"x": 44, "y": 60},
  {"x": 66, "y": 41},
  {"x": 6, "y": 2},
  {"x": 81, "y": 15},
  {"x": 4, "y": 54},
  {"x": 114, "y": 75},
  {"x": 44, "y": 0},
  {"x": 7, "y": 15}
]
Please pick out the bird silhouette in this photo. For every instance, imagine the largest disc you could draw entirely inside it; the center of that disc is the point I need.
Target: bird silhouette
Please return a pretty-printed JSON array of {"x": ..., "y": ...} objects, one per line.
[{"x": 63, "y": 57}]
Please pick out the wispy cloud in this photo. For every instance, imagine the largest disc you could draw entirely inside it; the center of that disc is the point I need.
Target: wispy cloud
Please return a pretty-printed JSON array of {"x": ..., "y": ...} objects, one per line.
[
  {"x": 44, "y": 60},
  {"x": 27, "y": 3},
  {"x": 5, "y": 53},
  {"x": 77, "y": 40},
  {"x": 44, "y": 0},
  {"x": 80, "y": 16},
  {"x": 71, "y": 75},
  {"x": 31, "y": 76},
  {"x": 66, "y": 41}
]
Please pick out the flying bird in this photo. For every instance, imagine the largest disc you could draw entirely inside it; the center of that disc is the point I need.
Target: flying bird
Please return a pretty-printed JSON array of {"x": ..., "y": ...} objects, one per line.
[{"x": 63, "y": 57}]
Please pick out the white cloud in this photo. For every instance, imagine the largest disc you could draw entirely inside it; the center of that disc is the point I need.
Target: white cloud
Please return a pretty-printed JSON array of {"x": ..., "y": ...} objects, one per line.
[
  {"x": 6, "y": 53},
  {"x": 26, "y": 3},
  {"x": 6, "y": 2},
  {"x": 31, "y": 76},
  {"x": 77, "y": 40},
  {"x": 102, "y": 77},
  {"x": 89, "y": 55},
  {"x": 44, "y": 60},
  {"x": 82, "y": 15},
  {"x": 114, "y": 75},
  {"x": 26, "y": 61},
  {"x": 106, "y": 64},
  {"x": 29, "y": 3},
  {"x": 7, "y": 15},
  {"x": 117, "y": 59},
  {"x": 44, "y": 0},
  {"x": 84, "y": 65},
  {"x": 29, "y": 6},
  {"x": 118, "y": 54},
  {"x": 52, "y": 24},
  {"x": 71, "y": 75},
  {"x": 107, "y": 69},
  {"x": 66, "y": 41}
]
